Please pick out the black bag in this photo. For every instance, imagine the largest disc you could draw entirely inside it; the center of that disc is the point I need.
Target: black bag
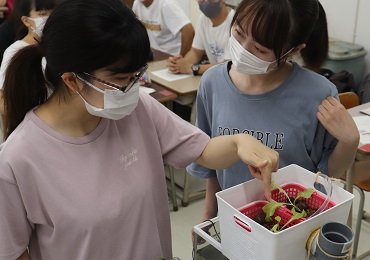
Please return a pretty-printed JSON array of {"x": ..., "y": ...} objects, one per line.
[
  {"x": 363, "y": 90},
  {"x": 344, "y": 81}
]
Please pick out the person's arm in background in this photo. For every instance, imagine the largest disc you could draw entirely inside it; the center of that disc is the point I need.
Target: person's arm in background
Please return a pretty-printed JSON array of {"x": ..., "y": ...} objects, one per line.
[
  {"x": 179, "y": 64},
  {"x": 187, "y": 35},
  {"x": 2, "y": 2},
  {"x": 24, "y": 256},
  {"x": 211, "y": 208}
]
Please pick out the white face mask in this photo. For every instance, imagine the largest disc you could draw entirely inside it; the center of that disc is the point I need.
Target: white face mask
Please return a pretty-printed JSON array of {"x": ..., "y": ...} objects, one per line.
[
  {"x": 246, "y": 63},
  {"x": 117, "y": 104},
  {"x": 39, "y": 23}
]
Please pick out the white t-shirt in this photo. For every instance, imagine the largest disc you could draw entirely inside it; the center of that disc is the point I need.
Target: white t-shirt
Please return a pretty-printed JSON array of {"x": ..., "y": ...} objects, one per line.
[
  {"x": 7, "y": 56},
  {"x": 100, "y": 196},
  {"x": 214, "y": 40},
  {"x": 163, "y": 20}
]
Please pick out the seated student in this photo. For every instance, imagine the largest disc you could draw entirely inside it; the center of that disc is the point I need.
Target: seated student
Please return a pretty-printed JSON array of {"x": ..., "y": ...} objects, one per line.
[
  {"x": 169, "y": 29},
  {"x": 211, "y": 38},
  {"x": 82, "y": 170},
  {"x": 288, "y": 108},
  {"x": 33, "y": 17}
]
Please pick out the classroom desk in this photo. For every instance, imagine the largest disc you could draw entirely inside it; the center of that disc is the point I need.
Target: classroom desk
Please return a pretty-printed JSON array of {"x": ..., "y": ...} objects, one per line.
[
  {"x": 180, "y": 87},
  {"x": 161, "y": 94},
  {"x": 361, "y": 155}
]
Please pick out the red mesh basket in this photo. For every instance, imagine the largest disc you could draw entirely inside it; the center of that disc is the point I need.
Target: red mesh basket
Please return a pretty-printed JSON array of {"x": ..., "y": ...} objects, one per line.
[
  {"x": 292, "y": 189},
  {"x": 253, "y": 209}
]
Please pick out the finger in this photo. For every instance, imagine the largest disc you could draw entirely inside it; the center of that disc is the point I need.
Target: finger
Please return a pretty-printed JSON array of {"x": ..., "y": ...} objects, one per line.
[
  {"x": 255, "y": 172},
  {"x": 262, "y": 163},
  {"x": 171, "y": 66},
  {"x": 267, "y": 185},
  {"x": 171, "y": 69},
  {"x": 176, "y": 57},
  {"x": 333, "y": 101}
]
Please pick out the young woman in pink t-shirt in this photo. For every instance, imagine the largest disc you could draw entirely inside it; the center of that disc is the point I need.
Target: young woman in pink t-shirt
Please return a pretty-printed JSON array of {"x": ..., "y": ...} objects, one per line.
[{"x": 81, "y": 170}]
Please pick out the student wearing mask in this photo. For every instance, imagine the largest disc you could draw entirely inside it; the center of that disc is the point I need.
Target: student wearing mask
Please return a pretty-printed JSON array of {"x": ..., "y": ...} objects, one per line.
[
  {"x": 169, "y": 29},
  {"x": 34, "y": 16},
  {"x": 211, "y": 38},
  {"x": 291, "y": 109},
  {"x": 82, "y": 170}
]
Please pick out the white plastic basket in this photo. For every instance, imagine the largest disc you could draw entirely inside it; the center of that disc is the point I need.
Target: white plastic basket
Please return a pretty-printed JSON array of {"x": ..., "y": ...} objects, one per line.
[{"x": 254, "y": 241}]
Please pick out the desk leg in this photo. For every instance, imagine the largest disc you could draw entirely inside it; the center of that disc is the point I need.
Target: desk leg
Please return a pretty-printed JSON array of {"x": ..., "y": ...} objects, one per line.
[
  {"x": 173, "y": 188},
  {"x": 169, "y": 105},
  {"x": 349, "y": 188}
]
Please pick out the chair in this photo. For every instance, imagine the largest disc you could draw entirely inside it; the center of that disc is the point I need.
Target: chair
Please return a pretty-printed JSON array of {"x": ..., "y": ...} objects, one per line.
[{"x": 349, "y": 99}]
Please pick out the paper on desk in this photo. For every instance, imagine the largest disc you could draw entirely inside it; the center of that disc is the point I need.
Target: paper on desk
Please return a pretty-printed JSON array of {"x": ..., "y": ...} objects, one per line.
[
  {"x": 363, "y": 125},
  {"x": 365, "y": 111},
  {"x": 147, "y": 90},
  {"x": 167, "y": 75}
]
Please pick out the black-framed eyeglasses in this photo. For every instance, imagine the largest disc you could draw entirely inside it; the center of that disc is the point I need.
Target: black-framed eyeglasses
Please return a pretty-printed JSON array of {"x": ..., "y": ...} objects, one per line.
[{"x": 123, "y": 88}]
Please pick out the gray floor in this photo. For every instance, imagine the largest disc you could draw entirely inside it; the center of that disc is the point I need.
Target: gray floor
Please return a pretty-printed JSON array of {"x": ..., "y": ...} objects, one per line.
[{"x": 183, "y": 220}]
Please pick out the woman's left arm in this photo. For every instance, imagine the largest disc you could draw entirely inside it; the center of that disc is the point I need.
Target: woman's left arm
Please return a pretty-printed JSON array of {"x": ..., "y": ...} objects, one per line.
[
  {"x": 340, "y": 124},
  {"x": 223, "y": 151}
]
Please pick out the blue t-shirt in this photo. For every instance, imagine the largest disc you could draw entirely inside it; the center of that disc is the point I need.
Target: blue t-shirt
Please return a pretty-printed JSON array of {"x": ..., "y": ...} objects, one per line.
[{"x": 283, "y": 119}]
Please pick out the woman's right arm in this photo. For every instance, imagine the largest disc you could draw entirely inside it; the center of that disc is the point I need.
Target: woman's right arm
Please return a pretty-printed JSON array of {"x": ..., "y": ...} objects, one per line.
[{"x": 24, "y": 256}]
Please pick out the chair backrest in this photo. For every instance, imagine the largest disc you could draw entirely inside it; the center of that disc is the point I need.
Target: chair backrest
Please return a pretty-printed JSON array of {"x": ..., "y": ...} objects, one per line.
[{"x": 349, "y": 99}]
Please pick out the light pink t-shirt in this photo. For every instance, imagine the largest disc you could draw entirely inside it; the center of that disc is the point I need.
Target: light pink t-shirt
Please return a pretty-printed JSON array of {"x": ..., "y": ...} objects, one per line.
[{"x": 101, "y": 196}]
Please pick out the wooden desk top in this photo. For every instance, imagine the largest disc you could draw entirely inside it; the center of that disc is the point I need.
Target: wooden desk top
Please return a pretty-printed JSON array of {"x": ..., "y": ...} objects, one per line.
[
  {"x": 180, "y": 87},
  {"x": 355, "y": 111},
  {"x": 161, "y": 94}
]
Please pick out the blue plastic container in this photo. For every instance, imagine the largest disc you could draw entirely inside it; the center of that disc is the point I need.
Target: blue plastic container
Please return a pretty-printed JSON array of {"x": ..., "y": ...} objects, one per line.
[{"x": 346, "y": 56}]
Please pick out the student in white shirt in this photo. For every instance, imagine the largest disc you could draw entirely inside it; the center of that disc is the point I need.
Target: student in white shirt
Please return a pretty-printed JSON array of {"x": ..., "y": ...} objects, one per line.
[
  {"x": 33, "y": 16},
  {"x": 211, "y": 38},
  {"x": 169, "y": 29}
]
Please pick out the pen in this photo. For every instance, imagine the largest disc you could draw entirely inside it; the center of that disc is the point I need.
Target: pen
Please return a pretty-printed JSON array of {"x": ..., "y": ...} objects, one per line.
[{"x": 367, "y": 133}]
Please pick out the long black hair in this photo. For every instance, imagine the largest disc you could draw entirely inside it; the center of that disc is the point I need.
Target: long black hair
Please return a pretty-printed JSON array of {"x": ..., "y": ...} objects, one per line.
[
  {"x": 281, "y": 25},
  {"x": 79, "y": 36}
]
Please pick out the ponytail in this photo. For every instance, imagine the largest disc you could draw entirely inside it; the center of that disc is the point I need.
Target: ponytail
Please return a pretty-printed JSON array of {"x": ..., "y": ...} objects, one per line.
[
  {"x": 317, "y": 45},
  {"x": 24, "y": 87}
]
